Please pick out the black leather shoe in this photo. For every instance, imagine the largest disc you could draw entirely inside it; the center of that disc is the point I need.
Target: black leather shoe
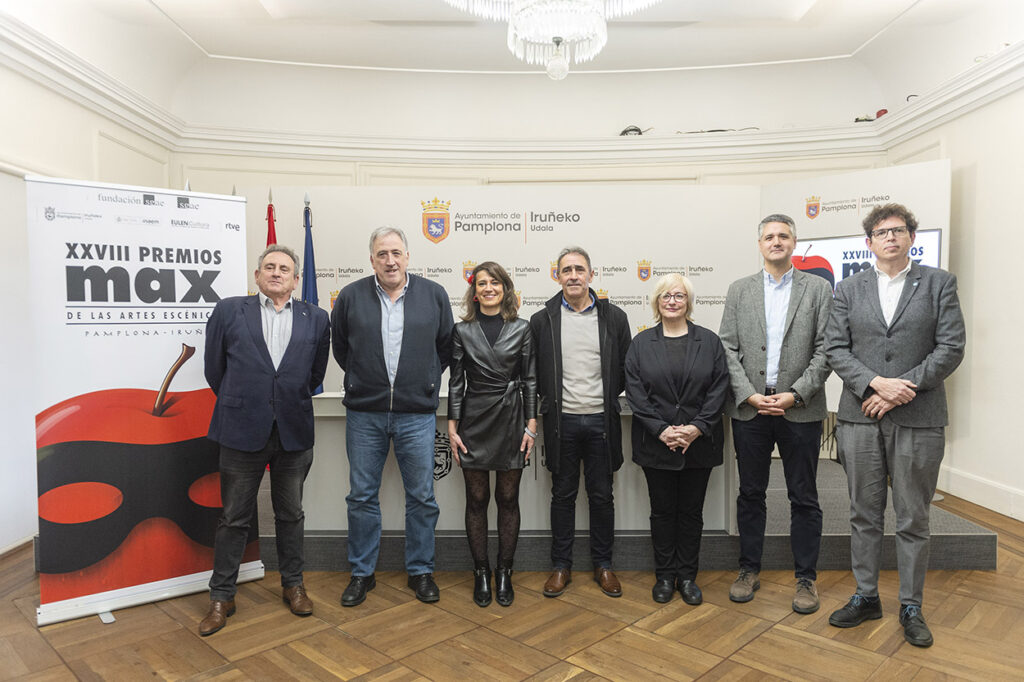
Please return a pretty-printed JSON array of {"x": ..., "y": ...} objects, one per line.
[
  {"x": 856, "y": 611},
  {"x": 691, "y": 593},
  {"x": 663, "y": 590},
  {"x": 482, "y": 586},
  {"x": 425, "y": 587},
  {"x": 358, "y": 586},
  {"x": 503, "y": 592},
  {"x": 915, "y": 630}
]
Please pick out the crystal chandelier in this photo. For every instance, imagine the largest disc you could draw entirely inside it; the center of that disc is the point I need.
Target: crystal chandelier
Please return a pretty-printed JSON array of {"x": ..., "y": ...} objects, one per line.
[{"x": 553, "y": 32}]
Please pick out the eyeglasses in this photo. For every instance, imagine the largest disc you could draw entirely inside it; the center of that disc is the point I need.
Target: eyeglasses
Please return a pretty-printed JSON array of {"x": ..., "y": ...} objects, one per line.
[
  {"x": 883, "y": 232},
  {"x": 668, "y": 298}
]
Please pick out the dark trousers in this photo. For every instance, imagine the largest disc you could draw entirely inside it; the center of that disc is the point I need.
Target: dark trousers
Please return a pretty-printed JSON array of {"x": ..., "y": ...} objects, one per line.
[
  {"x": 240, "y": 476},
  {"x": 583, "y": 441},
  {"x": 799, "y": 445},
  {"x": 677, "y": 520}
]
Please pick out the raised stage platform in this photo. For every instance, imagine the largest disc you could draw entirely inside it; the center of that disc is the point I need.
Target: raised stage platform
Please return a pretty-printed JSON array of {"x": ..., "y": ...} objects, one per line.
[{"x": 956, "y": 542}]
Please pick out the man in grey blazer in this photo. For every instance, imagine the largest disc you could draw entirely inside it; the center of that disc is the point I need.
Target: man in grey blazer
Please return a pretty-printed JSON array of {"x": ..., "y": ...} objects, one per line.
[
  {"x": 895, "y": 334},
  {"x": 773, "y": 331}
]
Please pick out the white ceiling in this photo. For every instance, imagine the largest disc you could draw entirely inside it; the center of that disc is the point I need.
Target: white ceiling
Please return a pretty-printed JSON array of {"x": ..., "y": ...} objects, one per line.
[{"x": 430, "y": 35}]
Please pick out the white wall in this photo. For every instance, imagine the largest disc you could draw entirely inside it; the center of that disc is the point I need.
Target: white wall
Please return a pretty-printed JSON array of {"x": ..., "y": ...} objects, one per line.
[
  {"x": 937, "y": 40},
  {"x": 17, "y": 455},
  {"x": 404, "y": 105},
  {"x": 143, "y": 50},
  {"x": 984, "y": 460}
]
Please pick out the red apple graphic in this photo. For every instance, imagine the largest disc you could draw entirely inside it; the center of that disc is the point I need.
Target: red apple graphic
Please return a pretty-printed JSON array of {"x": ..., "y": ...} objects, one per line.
[
  {"x": 816, "y": 265},
  {"x": 128, "y": 489}
]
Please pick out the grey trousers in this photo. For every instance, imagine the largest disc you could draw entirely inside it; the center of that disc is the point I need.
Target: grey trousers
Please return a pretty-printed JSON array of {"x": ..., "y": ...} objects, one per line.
[{"x": 910, "y": 456}]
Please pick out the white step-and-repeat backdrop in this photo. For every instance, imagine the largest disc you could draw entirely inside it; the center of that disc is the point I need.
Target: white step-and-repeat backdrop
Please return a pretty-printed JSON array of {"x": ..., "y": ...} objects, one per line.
[{"x": 633, "y": 233}]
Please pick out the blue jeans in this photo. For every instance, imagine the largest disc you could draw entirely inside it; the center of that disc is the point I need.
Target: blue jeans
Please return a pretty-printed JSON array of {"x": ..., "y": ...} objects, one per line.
[
  {"x": 240, "y": 476},
  {"x": 368, "y": 437}
]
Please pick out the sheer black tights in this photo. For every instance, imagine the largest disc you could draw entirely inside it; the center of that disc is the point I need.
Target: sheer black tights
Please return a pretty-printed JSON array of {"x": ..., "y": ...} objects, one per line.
[{"x": 478, "y": 497}]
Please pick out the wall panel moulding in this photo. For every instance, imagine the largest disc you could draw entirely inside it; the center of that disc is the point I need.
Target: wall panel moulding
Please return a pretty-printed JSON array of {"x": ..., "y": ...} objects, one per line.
[{"x": 34, "y": 56}]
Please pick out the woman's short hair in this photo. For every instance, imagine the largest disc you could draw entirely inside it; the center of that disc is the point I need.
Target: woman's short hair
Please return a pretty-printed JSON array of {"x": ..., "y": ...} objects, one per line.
[
  {"x": 666, "y": 283},
  {"x": 509, "y": 302}
]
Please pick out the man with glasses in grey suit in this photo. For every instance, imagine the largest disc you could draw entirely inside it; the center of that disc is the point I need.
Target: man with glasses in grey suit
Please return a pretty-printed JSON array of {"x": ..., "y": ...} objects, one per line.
[{"x": 895, "y": 334}]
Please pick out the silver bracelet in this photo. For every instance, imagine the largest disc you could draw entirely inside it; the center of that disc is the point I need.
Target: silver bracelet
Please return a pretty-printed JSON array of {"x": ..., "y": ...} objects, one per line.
[{"x": 529, "y": 433}]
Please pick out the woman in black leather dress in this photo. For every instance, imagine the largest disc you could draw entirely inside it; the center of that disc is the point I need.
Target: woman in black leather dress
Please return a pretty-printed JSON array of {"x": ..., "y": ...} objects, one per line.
[{"x": 492, "y": 410}]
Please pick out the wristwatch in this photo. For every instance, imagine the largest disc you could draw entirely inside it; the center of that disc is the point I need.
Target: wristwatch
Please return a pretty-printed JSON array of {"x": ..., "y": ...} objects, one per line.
[{"x": 797, "y": 400}]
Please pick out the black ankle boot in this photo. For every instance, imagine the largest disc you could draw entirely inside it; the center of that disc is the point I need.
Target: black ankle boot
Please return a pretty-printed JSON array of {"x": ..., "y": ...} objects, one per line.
[
  {"x": 503, "y": 592},
  {"x": 482, "y": 585}
]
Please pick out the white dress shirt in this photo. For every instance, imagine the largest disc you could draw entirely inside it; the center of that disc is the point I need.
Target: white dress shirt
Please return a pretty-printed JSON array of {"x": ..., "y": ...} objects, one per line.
[{"x": 889, "y": 291}]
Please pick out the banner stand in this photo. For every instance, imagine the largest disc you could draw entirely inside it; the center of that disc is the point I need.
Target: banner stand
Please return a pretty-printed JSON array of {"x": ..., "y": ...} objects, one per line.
[{"x": 123, "y": 598}]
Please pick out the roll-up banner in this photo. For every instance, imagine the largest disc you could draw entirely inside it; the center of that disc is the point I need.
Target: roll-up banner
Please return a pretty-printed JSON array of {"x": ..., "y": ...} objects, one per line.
[{"x": 122, "y": 282}]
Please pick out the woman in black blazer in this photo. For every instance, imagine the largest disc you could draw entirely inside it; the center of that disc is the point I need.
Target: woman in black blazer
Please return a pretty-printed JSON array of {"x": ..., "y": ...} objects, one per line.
[
  {"x": 676, "y": 382},
  {"x": 492, "y": 418}
]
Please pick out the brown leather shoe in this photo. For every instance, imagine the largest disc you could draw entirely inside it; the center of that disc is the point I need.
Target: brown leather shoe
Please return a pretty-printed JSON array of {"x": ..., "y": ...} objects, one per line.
[
  {"x": 557, "y": 582},
  {"x": 298, "y": 601},
  {"x": 607, "y": 581},
  {"x": 216, "y": 617}
]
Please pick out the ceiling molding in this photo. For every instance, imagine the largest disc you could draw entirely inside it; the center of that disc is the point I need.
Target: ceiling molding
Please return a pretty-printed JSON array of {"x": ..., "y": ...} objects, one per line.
[
  {"x": 36, "y": 57},
  {"x": 47, "y": 63},
  {"x": 985, "y": 82}
]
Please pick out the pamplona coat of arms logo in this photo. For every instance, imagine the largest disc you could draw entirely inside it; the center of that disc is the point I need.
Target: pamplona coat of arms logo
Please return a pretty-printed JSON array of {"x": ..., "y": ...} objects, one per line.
[{"x": 436, "y": 219}]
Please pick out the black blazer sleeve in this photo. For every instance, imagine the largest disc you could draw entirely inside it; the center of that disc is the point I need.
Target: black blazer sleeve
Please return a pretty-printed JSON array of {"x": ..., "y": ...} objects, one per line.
[
  {"x": 445, "y": 329},
  {"x": 457, "y": 377},
  {"x": 339, "y": 332},
  {"x": 638, "y": 394},
  {"x": 215, "y": 357},
  {"x": 711, "y": 406},
  {"x": 528, "y": 375},
  {"x": 323, "y": 350}
]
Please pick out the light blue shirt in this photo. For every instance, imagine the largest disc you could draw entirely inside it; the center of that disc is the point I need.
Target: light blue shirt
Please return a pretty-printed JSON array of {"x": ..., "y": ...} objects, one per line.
[
  {"x": 277, "y": 327},
  {"x": 776, "y": 305},
  {"x": 593, "y": 302},
  {"x": 392, "y": 325}
]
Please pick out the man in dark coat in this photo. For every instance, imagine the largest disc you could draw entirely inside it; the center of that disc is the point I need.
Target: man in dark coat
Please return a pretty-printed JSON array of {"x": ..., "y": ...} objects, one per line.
[
  {"x": 581, "y": 343},
  {"x": 392, "y": 335}
]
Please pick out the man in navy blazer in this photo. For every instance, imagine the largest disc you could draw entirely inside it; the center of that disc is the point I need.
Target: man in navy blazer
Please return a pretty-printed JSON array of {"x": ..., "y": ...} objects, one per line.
[
  {"x": 265, "y": 354},
  {"x": 896, "y": 332}
]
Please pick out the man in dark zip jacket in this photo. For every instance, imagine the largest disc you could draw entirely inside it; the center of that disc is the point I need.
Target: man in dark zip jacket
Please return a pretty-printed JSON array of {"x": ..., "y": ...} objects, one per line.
[
  {"x": 581, "y": 343},
  {"x": 392, "y": 336}
]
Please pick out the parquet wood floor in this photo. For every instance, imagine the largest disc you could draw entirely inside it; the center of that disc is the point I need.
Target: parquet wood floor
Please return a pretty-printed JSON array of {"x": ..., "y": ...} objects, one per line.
[{"x": 977, "y": 618}]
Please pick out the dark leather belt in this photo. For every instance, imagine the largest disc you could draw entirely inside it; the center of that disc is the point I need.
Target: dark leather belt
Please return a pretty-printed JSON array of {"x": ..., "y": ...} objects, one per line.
[{"x": 769, "y": 390}]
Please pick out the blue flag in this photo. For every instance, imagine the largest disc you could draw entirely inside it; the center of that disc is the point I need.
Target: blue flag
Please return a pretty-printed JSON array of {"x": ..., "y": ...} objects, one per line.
[{"x": 309, "y": 294}]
